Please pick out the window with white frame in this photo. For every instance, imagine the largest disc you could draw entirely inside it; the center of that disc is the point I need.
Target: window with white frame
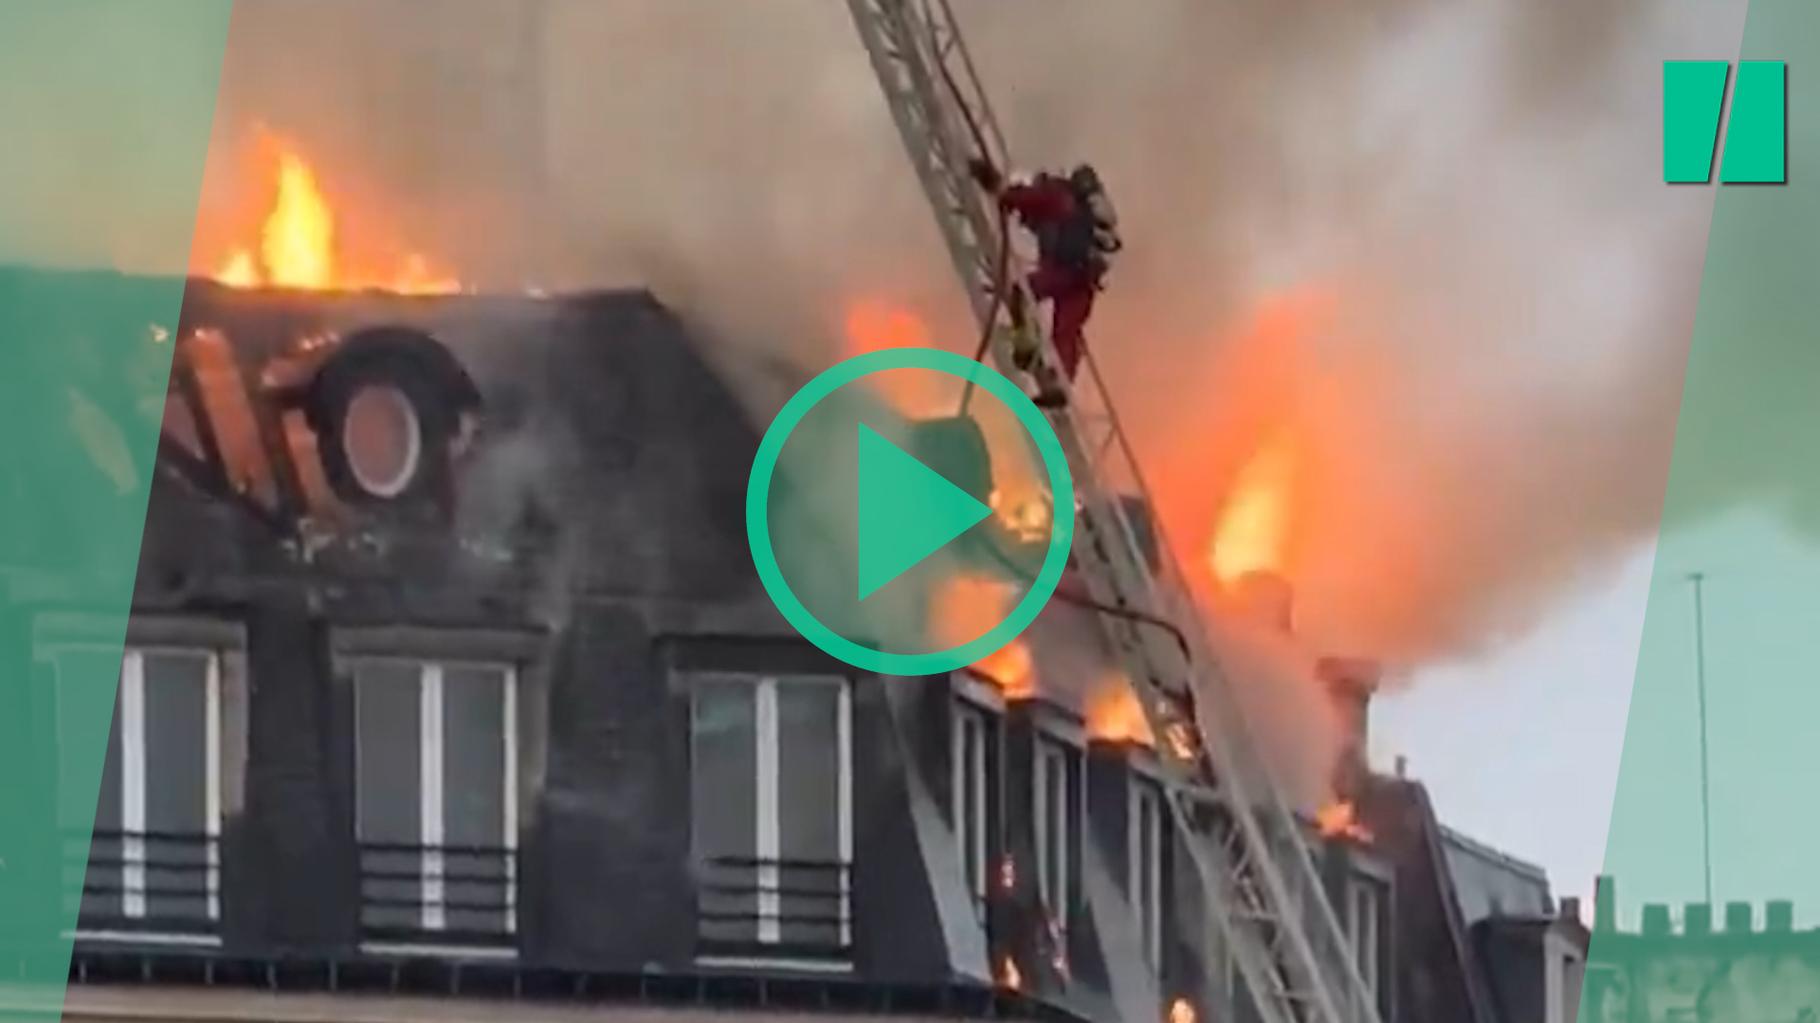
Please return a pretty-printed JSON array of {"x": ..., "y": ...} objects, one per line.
[
  {"x": 1364, "y": 927},
  {"x": 154, "y": 827},
  {"x": 974, "y": 749},
  {"x": 1146, "y": 858},
  {"x": 1054, "y": 799},
  {"x": 436, "y": 793},
  {"x": 773, "y": 819}
]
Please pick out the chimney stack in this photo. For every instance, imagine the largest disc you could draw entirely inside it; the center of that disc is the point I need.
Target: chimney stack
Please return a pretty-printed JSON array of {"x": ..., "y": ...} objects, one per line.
[
  {"x": 1267, "y": 598},
  {"x": 1779, "y": 916},
  {"x": 1605, "y": 904},
  {"x": 1350, "y": 683},
  {"x": 1570, "y": 908},
  {"x": 1737, "y": 917},
  {"x": 1699, "y": 919}
]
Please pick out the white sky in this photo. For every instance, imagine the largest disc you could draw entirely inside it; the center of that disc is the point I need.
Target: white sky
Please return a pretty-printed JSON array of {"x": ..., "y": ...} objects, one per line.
[{"x": 1522, "y": 749}]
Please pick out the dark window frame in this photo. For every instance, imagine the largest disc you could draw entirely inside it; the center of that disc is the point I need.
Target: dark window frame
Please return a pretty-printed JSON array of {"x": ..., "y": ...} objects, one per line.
[
  {"x": 769, "y": 943},
  {"x": 148, "y": 856},
  {"x": 520, "y": 659},
  {"x": 975, "y": 777}
]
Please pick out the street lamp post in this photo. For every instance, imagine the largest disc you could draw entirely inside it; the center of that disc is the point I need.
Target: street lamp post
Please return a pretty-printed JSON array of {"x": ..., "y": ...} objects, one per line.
[{"x": 1698, "y": 579}]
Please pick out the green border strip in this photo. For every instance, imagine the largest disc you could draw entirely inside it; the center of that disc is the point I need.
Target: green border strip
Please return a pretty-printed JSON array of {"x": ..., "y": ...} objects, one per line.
[{"x": 106, "y": 108}]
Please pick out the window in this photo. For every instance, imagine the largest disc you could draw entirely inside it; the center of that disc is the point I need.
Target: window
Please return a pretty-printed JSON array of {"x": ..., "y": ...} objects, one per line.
[
  {"x": 1147, "y": 834},
  {"x": 1364, "y": 924},
  {"x": 436, "y": 758},
  {"x": 773, "y": 828},
  {"x": 975, "y": 760},
  {"x": 153, "y": 856},
  {"x": 1054, "y": 800}
]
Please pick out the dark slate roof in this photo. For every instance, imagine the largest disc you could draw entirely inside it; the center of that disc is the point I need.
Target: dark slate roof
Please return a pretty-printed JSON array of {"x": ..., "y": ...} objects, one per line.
[
  {"x": 1440, "y": 979},
  {"x": 613, "y": 466}
]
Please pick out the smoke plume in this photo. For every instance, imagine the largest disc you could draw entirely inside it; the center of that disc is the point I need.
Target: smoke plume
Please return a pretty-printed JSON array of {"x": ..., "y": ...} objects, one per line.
[{"x": 1424, "y": 242}]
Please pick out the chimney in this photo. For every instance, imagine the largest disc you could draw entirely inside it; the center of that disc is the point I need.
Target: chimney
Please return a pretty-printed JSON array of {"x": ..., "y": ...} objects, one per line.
[
  {"x": 1570, "y": 908},
  {"x": 1699, "y": 919},
  {"x": 1267, "y": 598},
  {"x": 1350, "y": 683},
  {"x": 1605, "y": 903},
  {"x": 1779, "y": 916},
  {"x": 1737, "y": 917}
]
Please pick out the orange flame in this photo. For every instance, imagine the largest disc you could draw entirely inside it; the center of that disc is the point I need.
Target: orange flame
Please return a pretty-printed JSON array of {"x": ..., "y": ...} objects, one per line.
[
  {"x": 1181, "y": 1011},
  {"x": 961, "y": 608},
  {"x": 1009, "y": 976},
  {"x": 1114, "y": 713},
  {"x": 299, "y": 248},
  {"x": 1340, "y": 819},
  {"x": 872, "y": 325},
  {"x": 1012, "y": 669},
  {"x": 1252, "y": 534}
]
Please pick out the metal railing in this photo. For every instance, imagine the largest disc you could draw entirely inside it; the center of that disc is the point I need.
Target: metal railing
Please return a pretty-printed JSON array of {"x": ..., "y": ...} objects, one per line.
[
  {"x": 143, "y": 881},
  {"x": 440, "y": 894},
  {"x": 775, "y": 907}
]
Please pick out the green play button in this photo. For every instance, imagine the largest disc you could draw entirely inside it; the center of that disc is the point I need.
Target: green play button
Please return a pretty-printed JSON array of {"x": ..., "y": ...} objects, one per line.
[
  {"x": 907, "y": 511},
  {"x": 868, "y": 517}
]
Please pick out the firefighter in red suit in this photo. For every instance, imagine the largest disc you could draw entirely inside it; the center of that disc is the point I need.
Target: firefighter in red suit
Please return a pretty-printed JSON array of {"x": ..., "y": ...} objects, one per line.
[{"x": 1076, "y": 235}]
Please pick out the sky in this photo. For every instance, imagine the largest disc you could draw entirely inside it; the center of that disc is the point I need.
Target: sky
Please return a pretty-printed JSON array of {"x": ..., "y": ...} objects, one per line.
[{"x": 1522, "y": 748}]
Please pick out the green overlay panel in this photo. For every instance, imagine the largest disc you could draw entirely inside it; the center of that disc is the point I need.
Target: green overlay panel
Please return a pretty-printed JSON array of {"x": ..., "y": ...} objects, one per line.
[
  {"x": 1679, "y": 934},
  {"x": 105, "y": 109}
]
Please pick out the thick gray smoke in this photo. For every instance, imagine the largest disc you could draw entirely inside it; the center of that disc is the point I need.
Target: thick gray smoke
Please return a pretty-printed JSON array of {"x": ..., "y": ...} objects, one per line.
[{"x": 1425, "y": 242}]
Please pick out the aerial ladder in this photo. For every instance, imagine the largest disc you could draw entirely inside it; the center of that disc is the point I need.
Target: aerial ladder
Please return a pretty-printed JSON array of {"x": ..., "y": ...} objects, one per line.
[{"x": 1266, "y": 899}]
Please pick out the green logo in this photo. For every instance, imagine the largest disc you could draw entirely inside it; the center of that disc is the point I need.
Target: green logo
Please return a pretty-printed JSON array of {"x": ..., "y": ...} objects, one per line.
[
  {"x": 902, "y": 514},
  {"x": 907, "y": 511},
  {"x": 1693, "y": 100}
]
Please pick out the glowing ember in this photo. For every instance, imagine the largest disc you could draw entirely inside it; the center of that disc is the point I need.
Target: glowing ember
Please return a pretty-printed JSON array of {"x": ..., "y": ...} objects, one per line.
[
  {"x": 1181, "y": 1011},
  {"x": 298, "y": 246},
  {"x": 1007, "y": 873},
  {"x": 239, "y": 271},
  {"x": 1025, "y": 516},
  {"x": 1181, "y": 740},
  {"x": 1114, "y": 714},
  {"x": 1340, "y": 819},
  {"x": 1009, "y": 976},
  {"x": 1253, "y": 530}
]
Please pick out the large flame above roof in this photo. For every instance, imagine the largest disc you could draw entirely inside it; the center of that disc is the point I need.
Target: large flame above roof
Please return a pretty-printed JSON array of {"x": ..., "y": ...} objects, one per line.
[{"x": 299, "y": 244}]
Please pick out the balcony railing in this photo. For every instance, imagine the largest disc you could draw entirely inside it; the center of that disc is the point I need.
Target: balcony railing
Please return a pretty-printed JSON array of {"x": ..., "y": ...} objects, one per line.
[
  {"x": 143, "y": 882},
  {"x": 775, "y": 908},
  {"x": 442, "y": 894}
]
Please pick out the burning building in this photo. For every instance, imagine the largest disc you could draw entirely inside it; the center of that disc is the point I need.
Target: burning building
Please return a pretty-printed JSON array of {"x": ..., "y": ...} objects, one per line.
[{"x": 447, "y": 674}]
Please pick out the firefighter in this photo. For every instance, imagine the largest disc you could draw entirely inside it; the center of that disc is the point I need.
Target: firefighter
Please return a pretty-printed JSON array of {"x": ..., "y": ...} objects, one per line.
[{"x": 1076, "y": 234}]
